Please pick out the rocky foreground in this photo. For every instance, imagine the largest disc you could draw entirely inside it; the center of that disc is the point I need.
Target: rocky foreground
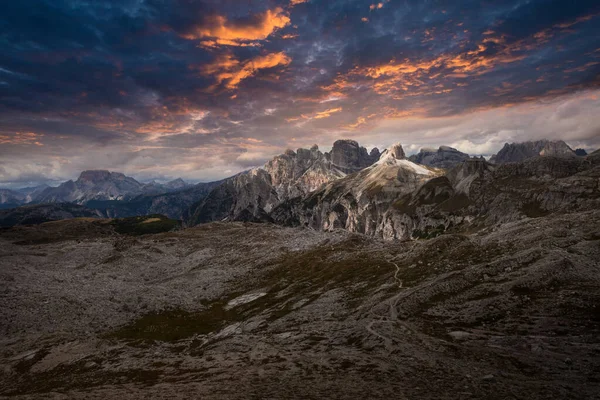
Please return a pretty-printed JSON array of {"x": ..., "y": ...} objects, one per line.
[{"x": 237, "y": 311}]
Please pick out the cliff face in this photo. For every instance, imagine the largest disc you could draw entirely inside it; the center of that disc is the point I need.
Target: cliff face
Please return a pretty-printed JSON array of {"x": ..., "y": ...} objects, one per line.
[
  {"x": 443, "y": 157},
  {"x": 348, "y": 156}
]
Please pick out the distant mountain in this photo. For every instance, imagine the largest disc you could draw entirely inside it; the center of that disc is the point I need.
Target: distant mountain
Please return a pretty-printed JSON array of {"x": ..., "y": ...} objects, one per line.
[
  {"x": 40, "y": 213},
  {"x": 177, "y": 184},
  {"x": 93, "y": 185},
  {"x": 31, "y": 193},
  {"x": 518, "y": 152},
  {"x": 11, "y": 198},
  {"x": 101, "y": 185},
  {"x": 174, "y": 204},
  {"x": 154, "y": 187},
  {"x": 252, "y": 195},
  {"x": 443, "y": 157}
]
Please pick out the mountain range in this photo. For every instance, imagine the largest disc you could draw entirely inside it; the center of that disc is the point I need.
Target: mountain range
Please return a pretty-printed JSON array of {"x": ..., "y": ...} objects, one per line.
[{"x": 384, "y": 194}]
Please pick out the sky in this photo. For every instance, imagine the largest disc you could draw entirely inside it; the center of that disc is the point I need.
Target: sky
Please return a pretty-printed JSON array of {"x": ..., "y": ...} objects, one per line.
[{"x": 160, "y": 89}]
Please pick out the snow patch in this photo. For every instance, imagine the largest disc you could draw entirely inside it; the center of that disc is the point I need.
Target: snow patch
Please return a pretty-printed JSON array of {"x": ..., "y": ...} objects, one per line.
[
  {"x": 415, "y": 167},
  {"x": 388, "y": 158},
  {"x": 243, "y": 299}
]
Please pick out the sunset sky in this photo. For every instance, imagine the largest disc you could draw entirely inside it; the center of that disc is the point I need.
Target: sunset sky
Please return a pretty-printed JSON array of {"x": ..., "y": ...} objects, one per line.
[{"x": 205, "y": 89}]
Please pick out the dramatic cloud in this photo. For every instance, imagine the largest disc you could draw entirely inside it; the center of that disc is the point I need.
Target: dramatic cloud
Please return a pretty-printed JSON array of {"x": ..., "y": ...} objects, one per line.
[
  {"x": 226, "y": 69},
  {"x": 219, "y": 30},
  {"x": 205, "y": 89}
]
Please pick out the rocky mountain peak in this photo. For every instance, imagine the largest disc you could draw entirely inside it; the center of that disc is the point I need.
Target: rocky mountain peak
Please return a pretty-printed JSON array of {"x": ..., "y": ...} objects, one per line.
[
  {"x": 397, "y": 151},
  {"x": 443, "y": 157},
  {"x": 94, "y": 175},
  {"x": 349, "y": 157},
  {"x": 557, "y": 149}
]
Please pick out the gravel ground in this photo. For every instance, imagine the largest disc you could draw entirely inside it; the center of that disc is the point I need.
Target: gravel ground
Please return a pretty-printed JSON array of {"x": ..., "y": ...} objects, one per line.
[{"x": 237, "y": 311}]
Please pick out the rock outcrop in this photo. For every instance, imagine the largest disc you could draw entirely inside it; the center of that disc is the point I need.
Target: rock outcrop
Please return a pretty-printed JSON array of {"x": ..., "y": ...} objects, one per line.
[{"x": 443, "y": 157}]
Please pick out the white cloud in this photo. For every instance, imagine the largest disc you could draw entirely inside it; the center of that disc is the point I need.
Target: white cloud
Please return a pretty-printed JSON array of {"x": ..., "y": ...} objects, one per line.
[{"x": 574, "y": 119}]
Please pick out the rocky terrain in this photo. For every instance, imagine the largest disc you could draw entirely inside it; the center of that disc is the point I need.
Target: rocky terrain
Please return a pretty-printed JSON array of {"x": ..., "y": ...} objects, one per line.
[{"x": 241, "y": 310}]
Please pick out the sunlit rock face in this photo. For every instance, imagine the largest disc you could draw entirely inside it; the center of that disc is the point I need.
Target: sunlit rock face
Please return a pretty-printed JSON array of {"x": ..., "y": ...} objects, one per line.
[
  {"x": 443, "y": 157},
  {"x": 517, "y": 152},
  {"x": 398, "y": 199}
]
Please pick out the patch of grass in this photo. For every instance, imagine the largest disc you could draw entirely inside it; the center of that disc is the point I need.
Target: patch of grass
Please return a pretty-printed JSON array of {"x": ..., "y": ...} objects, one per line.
[
  {"x": 25, "y": 364},
  {"x": 143, "y": 225},
  {"x": 429, "y": 232},
  {"x": 456, "y": 203},
  {"x": 533, "y": 209},
  {"x": 176, "y": 324},
  {"x": 78, "y": 376}
]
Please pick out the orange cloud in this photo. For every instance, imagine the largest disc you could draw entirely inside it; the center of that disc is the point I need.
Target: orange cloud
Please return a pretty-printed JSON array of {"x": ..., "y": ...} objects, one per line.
[
  {"x": 230, "y": 71},
  {"x": 576, "y": 21},
  {"x": 218, "y": 30},
  {"x": 401, "y": 78},
  {"x": 327, "y": 113},
  {"x": 375, "y": 6},
  {"x": 21, "y": 138},
  {"x": 296, "y": 2}
]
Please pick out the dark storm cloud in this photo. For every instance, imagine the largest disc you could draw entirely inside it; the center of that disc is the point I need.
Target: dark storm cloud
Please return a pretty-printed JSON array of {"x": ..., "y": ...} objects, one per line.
[{"x": 204, "y": 89}]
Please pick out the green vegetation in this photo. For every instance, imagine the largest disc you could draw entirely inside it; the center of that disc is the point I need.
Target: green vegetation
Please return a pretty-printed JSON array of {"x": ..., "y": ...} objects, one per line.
[
  {"x": 534, "y": 209},
  {"x": 429, "y": 232},
  {"x": 148, "y": 224}
]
